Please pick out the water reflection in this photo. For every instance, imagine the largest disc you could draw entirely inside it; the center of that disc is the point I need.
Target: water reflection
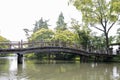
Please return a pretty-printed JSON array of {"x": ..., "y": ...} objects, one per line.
[
  {"x": 115, "y": 73},
  {"x": 57, "y": 70}
]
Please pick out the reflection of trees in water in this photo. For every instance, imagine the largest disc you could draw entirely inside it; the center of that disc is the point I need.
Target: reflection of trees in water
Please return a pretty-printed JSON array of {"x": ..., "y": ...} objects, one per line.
[
  {"x": 71, "y": 71},
  {"x": 59, "y": 70},
  {"x": 4, "y": 65},
  {"x": 10, "y": 70}
]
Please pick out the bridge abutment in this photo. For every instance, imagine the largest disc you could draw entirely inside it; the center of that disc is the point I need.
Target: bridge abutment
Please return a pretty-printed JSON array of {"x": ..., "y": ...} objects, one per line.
[{"x": 19, "y": 58}]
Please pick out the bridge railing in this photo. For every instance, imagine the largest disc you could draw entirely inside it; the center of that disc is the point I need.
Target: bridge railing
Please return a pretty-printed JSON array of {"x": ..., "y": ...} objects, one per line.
[
  {"x": 25, "y": 44},
  {"x": 34, "y": 44},
  {"x": 53, "y": 44}
]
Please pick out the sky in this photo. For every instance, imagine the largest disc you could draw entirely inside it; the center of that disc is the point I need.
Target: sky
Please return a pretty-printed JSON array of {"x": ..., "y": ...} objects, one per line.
[{"x": 16, "y": 15}]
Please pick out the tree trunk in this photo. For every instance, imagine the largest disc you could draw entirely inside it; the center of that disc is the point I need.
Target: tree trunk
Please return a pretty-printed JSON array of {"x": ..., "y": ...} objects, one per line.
[{"x": 107, "y": 42}]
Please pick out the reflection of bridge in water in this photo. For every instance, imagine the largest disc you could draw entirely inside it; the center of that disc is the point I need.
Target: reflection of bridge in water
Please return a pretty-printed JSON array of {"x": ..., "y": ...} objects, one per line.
[{"x": 21, "y": 48}]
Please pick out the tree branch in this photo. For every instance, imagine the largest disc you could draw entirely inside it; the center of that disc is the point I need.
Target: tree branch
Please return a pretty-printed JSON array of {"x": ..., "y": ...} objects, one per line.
[
  {"x": 101, "y": 21},
  {"x": 111, "y": 26},
  {"x": 96, "y": 27}
]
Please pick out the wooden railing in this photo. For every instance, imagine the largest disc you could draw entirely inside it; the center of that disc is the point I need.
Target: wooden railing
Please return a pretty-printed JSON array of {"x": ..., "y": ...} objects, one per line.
[
  {"x": 25, "y": 44},
  {"x": 35, "y": 44}
]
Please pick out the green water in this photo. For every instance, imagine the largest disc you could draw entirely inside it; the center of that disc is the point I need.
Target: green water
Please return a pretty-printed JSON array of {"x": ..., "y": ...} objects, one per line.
[{"x": 57, "y": 70}]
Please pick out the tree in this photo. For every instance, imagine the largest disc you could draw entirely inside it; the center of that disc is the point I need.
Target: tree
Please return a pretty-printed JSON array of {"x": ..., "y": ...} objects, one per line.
[
  {"x": 61, "y": 25},
  {"x": 2, "y": 39},
  {"x": 64, "y": 36},
  {"x": 42, "y": 34},
  {"x": 99, "y": 12},
  {"x": 83, "y": 33},
  {"x": 40, "y": 24}
]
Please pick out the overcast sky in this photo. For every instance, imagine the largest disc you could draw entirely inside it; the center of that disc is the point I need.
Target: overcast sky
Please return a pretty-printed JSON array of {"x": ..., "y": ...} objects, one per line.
[{"x": 15, "y": 15}]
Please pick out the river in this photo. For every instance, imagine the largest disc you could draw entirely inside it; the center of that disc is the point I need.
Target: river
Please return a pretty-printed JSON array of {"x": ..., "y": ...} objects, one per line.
[{"x": 57, "y": 70}]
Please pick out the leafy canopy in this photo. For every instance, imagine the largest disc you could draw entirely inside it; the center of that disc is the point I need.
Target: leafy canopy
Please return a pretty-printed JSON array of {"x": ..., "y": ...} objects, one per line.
[
  {"x": 42, "y": 34},
  {"x": 99, "y": 12},
  {"x": 64, "y": 36}
]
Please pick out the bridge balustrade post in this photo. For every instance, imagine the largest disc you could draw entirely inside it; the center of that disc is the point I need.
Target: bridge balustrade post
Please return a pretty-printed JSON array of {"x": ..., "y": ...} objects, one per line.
[
  {"x": 32, "y": 44},
  {"x": 19, "y": 44},
  {"x": 53, "y": 43},
  {"x": 38, "y": 44},
  {"x": 41, "y": 44},
  {"x": 56, "y": 43},
  {"x": 44, "y": 43},
  {"x": 75, "y": 46},
  {"x": 68, "y": 44},
  {"x": 10, "y": 46},
  {"x": 64, "y": 44},
  {"x": 60, "y": 44}
]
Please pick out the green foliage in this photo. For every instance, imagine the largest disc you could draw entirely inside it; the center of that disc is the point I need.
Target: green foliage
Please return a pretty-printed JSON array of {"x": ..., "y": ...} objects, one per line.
[
  {"x": 99, "y": 12},
  {"x": 61, "y": 25},
  {"x": 31, "y": 55},
  {"x": 118, "y": 36},
  {"x": 2, "y": 39},
  {"x": 111, "y": 39},
  {"x": 64, "y": 36},
  {"x": 42, "y": 34},
  {"x": 83, "y": 33},
  {"x": 40, "y": 24},
  {"x": 115, "y": 5},
  {"x": 84, "y": 38},
  {"x": 98, "y": 41},
  {"x": 93, "y": 11}
]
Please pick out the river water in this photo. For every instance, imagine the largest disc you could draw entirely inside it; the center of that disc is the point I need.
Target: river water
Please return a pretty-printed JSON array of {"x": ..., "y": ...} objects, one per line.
[{"x": 57, "y": 70}]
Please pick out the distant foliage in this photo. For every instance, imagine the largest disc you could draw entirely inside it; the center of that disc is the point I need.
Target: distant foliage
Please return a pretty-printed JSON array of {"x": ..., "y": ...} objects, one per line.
[
  {"x": 2, "y": 39},
  {"x": 64, "y": 36},
  {"x": 41, "y": 24},
  {"x": 118, "y": 36},
  {"x": 42, "y": 34},
  {"x": 61, "y": 25},
  {"x": 83, "y": 33}
]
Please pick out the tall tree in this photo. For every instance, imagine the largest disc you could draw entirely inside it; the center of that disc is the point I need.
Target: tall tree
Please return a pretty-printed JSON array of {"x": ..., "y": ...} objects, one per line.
[
  {"x": 100, "y": 14},
  {"x": 83, "y": 33},
  {"x": 61, "y": 25},
  {"x": 40, "y": 24}
]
